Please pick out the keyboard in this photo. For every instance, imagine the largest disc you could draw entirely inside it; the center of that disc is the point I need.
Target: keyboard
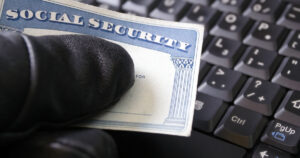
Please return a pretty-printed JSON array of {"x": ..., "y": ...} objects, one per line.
[{"x": 248, "y": 99}]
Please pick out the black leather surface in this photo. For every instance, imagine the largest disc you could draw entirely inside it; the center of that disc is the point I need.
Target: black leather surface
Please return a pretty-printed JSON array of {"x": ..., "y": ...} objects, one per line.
[
  {"x": 67, "y": 143},
  {"x": 50, "y": 81}
]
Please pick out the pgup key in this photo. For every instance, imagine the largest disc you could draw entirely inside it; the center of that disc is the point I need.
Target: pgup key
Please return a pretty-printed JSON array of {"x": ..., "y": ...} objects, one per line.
[{"x": 283, "y": 136}]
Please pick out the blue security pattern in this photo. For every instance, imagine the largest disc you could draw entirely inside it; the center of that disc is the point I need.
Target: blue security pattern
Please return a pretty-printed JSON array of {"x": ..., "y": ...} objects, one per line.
[{"x": 182, "y": 82}]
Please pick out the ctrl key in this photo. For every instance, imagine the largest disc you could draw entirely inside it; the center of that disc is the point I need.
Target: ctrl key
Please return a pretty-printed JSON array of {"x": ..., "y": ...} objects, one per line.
[
  {"x": 283, "y": 136},
  {"x": 241, "y": 126}
]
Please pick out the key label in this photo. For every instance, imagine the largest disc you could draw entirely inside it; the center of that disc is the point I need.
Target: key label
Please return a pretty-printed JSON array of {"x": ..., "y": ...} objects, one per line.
[
  {"x": 294, "y": 45},
  {"x": 263, "y": 26},
  {"x": 261, "y": 98},
  {"x": 219, "y": 43},
  {"x": 285, "y": 129},
  {"x": 250, "y": 95},
  {"x": 169, "y": 3},
  {"x": 278, "y": 136},
  {"x": 238, "y": 120},
  {"x": 225, "y": 52},
  {"x": 257, "y": 83},
  {"x": 198, "y": 105},
  {"x": 220, "y": 72},
  {"x": 296, "y": 104},
  {"x": 264, "y": 154},
  {"x": 294, "y": 62},
  {"x": 230, "y": 18}
]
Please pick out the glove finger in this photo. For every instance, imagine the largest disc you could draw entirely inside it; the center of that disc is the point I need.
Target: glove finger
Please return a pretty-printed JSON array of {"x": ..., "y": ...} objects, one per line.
[
  {"x": 70, "y": 77},
  {"x": 68, "y": 143}
]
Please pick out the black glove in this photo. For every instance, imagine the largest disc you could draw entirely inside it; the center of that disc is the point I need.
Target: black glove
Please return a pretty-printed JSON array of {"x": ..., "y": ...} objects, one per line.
[{"x": 52, "y": 81}]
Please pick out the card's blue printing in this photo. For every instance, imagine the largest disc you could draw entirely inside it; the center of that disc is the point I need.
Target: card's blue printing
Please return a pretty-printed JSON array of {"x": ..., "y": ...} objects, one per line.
[{"x": 180, "y": 43}]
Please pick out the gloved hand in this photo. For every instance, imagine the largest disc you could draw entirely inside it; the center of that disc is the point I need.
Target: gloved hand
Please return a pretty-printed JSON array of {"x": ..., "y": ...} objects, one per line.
[{"x": 52, "y": 81}]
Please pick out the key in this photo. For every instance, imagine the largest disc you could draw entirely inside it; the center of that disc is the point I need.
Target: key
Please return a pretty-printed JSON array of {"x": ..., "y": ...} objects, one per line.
[
  {"x": 291, "y": 47},
  {"x": 231, "y": 26},
  {"x": 139, "y": 7},
  {"x": 265, "y": 35},
  {"x": 202, "y": 2},
  {"x": 282, "y": 135},
  {"x": 208, "y": 111},
  {"x": 241, "y": 126},
  {"x": 260, "y": 96},
  {"x": 264, "y": 10},
  {"x": 114, "y": 3},
  {"x": 170, "y": 10},
  {"x": 204, "y": 68},
  {"x": 291, "y": 17},
  {"x": 201, "y": 15},
  {"x": 289, "y": 110},
  {"x": 223, "y": 52},
  {"x": 235, "y": 6},
  {"x": 258, "y": 63},
  {"x": 222, "y": 83},
  {"x": 265, "y": 151},
  {"x": 288, "y": 74}
]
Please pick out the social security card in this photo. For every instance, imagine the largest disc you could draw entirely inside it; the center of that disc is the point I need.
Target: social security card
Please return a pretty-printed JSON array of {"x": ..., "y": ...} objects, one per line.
[{"x": 166, "y": 57}]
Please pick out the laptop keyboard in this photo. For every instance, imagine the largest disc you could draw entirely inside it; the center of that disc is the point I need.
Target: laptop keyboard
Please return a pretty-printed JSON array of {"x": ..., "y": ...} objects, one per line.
[{"x": 249, "y": 81}]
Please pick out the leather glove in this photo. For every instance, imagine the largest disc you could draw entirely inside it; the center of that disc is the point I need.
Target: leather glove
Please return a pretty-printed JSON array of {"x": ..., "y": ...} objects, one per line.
[{"x": 52, "y": 81}]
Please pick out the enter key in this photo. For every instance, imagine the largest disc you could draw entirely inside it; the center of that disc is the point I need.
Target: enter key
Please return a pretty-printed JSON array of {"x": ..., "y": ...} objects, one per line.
[{"x": 282, "y": 135}]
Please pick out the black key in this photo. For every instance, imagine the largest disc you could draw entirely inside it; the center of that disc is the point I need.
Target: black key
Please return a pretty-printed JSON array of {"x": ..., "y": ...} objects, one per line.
[
  {"x": 204, "y": 68},
  {"x": 241, "y": 126},
  {"x": 283, "y": 136},
  {"x": 291, "y": 46},
  {"x": 264, "y": 10},
  {"x": 139, "y": 7},
  {"x": 201, "y": 15},
  {"x": 235, "y": 6},
  {"x": 208, "y": 111},
  {"x": 114, "y": 3},
  {"x": 198, "y": 145},
  {"x": 265, "y": 151},
  {"x": 231, "y": 26},
  {"x": 265, "y": 35},
  {"x": 291, "y": 17},
  {"x": 260, "y": 96},
  {"x": 288, "y": 74},
  {"x": 258, "y": 63},
  {"x": 222, "y": 83},
  {"x": 202, "y": 2},
  {"x": 223, "y": 52},
  {"x": 289, "y": 110},
  {"x": 170, "y": 10}
]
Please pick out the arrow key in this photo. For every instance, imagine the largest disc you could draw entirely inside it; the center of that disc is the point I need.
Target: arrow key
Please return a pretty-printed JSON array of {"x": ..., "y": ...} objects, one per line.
[{"x": 266, "y": 151}]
